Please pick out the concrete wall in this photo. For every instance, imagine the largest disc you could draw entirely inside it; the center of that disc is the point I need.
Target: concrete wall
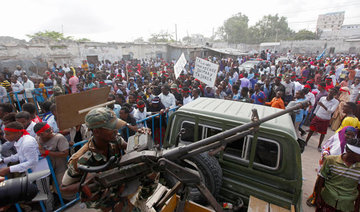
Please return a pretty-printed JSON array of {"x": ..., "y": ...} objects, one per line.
[
  {"x": 37, "y": 55},
  {"x": 311, "y": 47},
  {"x": 45, "y": 51}
]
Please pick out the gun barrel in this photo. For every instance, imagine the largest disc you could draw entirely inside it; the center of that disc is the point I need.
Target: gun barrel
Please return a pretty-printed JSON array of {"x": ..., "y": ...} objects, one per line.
[{"x": 184, "y": 150}]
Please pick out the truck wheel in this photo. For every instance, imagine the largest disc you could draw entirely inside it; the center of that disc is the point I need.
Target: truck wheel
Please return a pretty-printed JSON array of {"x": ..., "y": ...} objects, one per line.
[{"x": 210, "y": 174}]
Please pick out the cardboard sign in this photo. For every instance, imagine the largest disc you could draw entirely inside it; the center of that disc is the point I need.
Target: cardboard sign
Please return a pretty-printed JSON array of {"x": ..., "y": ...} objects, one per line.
[
  {"x": 206, "y": 71},
  {"x": 179, "y": 66},
  {"x": 68, "y": 106}
]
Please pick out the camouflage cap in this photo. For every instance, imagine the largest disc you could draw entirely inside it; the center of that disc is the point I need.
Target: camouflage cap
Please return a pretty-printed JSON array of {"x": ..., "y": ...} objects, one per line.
[
  {"x": 57, "y": 90},
  {"x": 103, "y": 118}
]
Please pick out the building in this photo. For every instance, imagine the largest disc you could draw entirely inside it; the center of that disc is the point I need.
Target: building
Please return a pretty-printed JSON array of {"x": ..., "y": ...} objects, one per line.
[
  {"x": 350, "y": 31},
  {"x": 345, "y": 32},
  {"x": 330, "y": 21}
]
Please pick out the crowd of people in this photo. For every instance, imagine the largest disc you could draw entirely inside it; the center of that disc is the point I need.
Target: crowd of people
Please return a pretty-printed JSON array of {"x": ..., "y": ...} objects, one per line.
[{"x": 142, "y": 88}]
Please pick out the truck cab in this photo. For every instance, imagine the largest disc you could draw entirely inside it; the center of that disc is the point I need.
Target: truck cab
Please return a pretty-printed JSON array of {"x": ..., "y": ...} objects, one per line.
[{"x": 266, "y": 165}]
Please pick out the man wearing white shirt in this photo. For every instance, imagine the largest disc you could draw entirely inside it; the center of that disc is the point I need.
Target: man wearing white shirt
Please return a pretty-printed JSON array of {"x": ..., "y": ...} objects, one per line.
[
  {"x": 186, "y": 97},
  {"x": 3, "y": 95},
  {"x": 355, "y": 90},
  {"x": 272, "y": 69},
  {"x": 18, "y": 89},
  {"x": 18, "y": 73},
  {"x": 167, "y": 98},
  {"x": 298, "y": 85},
  {"x": 235, "y": 76},
  {"x": 27, "y": 149},
  {"x": 141, "y": 113},
  {"x": 24, "y": 118},
  {"x": 357, "y": 71},
  {"x": 28, "y": 87},
  {"x": 309, "y": 96},
  {"x": 323, "y": 111},
  {"x": 66, "y": 68}
]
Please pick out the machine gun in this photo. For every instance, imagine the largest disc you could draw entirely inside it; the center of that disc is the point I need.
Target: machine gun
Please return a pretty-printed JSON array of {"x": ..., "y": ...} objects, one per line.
[{"x": 143, "y": 158}]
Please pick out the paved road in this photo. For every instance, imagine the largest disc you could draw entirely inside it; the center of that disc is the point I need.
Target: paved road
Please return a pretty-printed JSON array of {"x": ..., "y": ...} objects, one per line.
[
  {"x": 310, "y": 164},
  {"x": 309, "y": 160}
]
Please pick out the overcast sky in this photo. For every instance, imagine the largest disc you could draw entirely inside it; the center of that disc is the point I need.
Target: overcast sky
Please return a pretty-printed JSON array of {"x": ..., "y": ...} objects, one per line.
[{"x": 119, "y": 20}]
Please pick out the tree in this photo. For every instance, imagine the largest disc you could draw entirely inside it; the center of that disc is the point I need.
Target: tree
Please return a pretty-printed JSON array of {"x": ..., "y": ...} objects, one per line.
[
  {"x": 195, "y": 38},
  {"x": 161, "y": 37},
  {"x": 54, "y": 35},
  {"x": 139, "y": 40},
  {"x": 235, "y": 29},
  {"x": 269, "y": 29},
  {"x": 305, "y": 35},
  {"x": 83, "y": 40}
]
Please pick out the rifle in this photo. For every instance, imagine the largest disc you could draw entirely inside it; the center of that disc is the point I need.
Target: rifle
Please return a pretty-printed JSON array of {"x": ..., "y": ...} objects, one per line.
[{"x": 143, "y": 158}]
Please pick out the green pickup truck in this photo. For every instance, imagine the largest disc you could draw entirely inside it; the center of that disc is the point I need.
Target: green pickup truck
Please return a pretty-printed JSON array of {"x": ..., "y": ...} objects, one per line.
[{"x": 266, "y": 165}]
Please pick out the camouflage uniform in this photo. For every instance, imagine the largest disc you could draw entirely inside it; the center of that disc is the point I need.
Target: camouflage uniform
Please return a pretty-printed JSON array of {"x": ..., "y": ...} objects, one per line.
[
  {"x": 57, "y": 91},
  {"x": 95, "y": 196},
  {"x": 87, "y": 155}
]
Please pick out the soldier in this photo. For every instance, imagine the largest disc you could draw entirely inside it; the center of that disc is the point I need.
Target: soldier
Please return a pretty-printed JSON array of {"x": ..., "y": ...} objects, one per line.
[{"x": 97, "y": 151}]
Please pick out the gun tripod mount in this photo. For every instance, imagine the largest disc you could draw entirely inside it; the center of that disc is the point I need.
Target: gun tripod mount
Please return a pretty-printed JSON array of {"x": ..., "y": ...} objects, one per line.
[{"x": 186, "y": 178}]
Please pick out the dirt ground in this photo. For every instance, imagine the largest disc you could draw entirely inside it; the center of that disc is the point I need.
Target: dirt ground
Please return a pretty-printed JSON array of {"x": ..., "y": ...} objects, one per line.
[
  {"x": 310, "y": 165},
  {"x": 309, "y": 160}
]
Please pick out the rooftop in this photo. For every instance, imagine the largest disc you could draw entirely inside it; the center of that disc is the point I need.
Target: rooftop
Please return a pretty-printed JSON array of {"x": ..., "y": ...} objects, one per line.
[
  {"x": 240, "y": 112},
  {"x": 335, "y": 13}
]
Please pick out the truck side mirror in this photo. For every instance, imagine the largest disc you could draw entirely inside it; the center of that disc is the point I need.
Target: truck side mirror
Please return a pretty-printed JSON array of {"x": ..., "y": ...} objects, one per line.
[{"x": 181, "y": 132}]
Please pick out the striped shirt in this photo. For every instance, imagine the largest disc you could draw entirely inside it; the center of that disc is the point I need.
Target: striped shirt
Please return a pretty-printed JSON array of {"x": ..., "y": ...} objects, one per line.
[
  {"x": 341, "y": 183},
  {"x": 6, "y": 84}
]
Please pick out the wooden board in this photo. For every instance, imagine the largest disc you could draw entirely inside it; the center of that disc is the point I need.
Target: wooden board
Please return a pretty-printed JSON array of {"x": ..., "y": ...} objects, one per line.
[
  {"x": 257, "y": 205},
  {"x": 68, "y": 106},
  {"x": 275, "y": 208},
  {"x": 190, "y": 206}
]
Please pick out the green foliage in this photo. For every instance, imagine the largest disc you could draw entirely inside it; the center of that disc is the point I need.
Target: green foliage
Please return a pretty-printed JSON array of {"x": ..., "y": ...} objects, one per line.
[
  {"x": 305, "y": 35},
  {"x": 270, "y": 28},
  {"x": 163, "y": 37},
  {"x": 195, "y": 38},
  {"x": 58, "y": 36},
  {"x": 235, "y": 29},
  {"x": 83, "y": 40},
  {"x": 139, "y": 40}
]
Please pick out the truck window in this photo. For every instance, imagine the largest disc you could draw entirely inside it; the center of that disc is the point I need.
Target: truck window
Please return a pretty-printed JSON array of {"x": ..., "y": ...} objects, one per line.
[
  {"x": 267, "y": 153},
  {"x": 188, "y": 136},
  {"x": 204, "y": 131},
  {"x": 209, "y": 131},
  {"x": 235, "y": 149}
]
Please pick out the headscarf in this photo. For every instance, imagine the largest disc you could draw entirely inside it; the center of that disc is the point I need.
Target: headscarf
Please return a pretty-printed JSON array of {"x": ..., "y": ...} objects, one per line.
[
  {"x": 342, "y": 135},
  {"x": 344, "y": 94}
]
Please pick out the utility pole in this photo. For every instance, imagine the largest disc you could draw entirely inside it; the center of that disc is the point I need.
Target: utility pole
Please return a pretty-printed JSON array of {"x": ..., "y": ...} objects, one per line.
[
  {"x": 176, "y": 32},
  {"x": 277, "y": 31},
  {"x": 62, "y": 28}
]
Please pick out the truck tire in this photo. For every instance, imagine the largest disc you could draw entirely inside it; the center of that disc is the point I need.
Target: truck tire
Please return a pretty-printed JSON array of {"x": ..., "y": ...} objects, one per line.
[{"x": 210, "y": 173}]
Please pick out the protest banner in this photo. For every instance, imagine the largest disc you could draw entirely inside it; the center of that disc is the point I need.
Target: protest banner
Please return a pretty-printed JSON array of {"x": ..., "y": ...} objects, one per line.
[
  {"x": 179, "y": 66},
  {"x": 69, "y": 107},
  {"x": 206, "y": 71}
]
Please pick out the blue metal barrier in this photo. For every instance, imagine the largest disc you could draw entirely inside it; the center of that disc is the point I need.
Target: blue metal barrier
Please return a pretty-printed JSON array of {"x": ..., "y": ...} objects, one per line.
[
  {"x": 153, "y": 123},
  {"x": 37, "y": 94}
]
